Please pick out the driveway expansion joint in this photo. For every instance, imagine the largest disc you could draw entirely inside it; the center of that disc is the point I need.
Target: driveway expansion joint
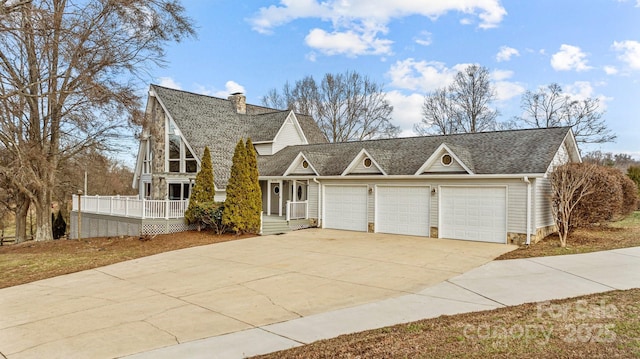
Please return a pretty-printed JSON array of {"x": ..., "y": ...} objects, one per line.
[
  {"x": 476, "y": 293},
  {"x": 569, "y": 273},
  {"x": 281, "y": 336}
]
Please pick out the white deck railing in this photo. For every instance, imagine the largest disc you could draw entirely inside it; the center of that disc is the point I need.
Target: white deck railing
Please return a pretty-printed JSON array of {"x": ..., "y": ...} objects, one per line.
[
  {"x": 297, "y": 210},
  {"x": 131, "y": 206}
]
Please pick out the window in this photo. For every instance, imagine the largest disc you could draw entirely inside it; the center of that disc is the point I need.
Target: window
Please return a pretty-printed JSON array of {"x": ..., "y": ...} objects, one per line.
[
  {"x": 305, "y": 164},
  {"x": 299, "y": 193},
  {"x": 367, "y": 162},
  {"x": 179, "y": 191},
  {"x": 146, "y": 162},
  {"x": 180, "y": 159},
  {"x": 276, "y": 190},
  {"x": 147, "y": 190},
  {"x": 446, "y": 160}
]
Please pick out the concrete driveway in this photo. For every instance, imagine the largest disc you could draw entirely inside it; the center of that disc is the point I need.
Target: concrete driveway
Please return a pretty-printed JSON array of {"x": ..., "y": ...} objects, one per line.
[{"x": 207, "y": 291}]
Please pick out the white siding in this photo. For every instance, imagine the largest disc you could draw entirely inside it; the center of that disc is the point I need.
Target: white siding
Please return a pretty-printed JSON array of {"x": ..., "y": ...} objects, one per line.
[
  {"x": 561, "y": 157},
  {"x": 288, "y": 136},
  {"x": 437, "y": 166},
  {"x": 360, "y": 168},
  {"x": 517, "y": 199},
  {"x": 544, "y": 212},
  {"x": 221, "y": 196},
  {"x": 313, "y": 199},
  {"x": 300, "y": 170},
  {"x": 264, "y": 149}
]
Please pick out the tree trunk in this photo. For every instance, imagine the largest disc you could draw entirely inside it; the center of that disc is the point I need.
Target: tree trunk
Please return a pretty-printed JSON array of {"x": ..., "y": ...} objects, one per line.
[
  {"x": 22, "y": 210},
  {"x": 44, "y": 231}
]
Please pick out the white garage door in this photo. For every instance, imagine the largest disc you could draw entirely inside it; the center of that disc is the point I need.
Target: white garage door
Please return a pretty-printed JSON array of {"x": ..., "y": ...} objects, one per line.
[
  {"x": 345, "y": 207},
  {"x": 474, "y": 213},
  {"x": 402, "y": 210}
]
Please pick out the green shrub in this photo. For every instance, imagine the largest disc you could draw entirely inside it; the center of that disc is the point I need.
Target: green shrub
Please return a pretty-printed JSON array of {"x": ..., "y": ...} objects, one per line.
[
  {"x": 234, "y": 215},
  {"x": 210, "y": 215},
  {"x": 203, "y": 191}
]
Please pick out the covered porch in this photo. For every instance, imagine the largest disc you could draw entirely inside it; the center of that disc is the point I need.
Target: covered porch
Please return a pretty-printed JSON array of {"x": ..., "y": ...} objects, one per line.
[{"x": 285, "y": 199}]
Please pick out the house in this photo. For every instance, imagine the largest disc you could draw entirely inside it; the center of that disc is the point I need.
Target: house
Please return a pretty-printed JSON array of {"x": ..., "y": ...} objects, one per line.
[{"x": 490, "y": 186}]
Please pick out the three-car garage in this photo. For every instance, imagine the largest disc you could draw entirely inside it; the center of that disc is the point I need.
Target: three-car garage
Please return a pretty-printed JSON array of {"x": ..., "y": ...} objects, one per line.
[{"x": 475, "y": 213}]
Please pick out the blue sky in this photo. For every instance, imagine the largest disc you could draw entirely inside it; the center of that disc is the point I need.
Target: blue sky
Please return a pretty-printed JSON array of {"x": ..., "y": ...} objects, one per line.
[{"x": 591, "y": 48}]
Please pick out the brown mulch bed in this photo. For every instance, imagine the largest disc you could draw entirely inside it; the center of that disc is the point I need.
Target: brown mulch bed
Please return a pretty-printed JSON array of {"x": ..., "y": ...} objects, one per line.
[
  {"x": 605, "y": 325},
  {"x": 30, "y": 261}
]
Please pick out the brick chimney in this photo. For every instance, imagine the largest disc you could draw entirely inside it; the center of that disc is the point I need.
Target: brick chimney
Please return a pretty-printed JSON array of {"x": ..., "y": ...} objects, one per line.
[{"x": 239, "y": 101}]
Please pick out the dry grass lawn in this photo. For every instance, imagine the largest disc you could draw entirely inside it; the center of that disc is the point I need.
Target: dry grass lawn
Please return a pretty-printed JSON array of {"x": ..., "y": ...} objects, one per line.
[
  {"x": 622, "y": 234},
  {"x": 603, "y": 325},
  {"x": 30, "y": 261}
]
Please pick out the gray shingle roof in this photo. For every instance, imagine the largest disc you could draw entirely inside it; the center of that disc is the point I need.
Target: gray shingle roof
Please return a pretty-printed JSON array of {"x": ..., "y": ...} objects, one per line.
[
  {"x": 211, "y": 121},
  {"x": 504, "y": 152}
]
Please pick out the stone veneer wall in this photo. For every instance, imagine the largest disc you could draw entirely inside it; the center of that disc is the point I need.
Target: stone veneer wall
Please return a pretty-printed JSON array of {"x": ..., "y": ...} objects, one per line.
[{"x": 156, "y": 128}]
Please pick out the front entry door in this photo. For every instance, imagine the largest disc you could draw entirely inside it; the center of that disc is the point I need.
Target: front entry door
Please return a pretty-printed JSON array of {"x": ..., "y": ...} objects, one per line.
[{"x": 275, "y": 198}]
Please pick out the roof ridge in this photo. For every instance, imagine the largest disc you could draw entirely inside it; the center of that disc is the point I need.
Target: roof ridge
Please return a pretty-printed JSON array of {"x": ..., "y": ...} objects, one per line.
[
  {"x": 459, "y": 134},
  {"x": 213, "y": 97}
]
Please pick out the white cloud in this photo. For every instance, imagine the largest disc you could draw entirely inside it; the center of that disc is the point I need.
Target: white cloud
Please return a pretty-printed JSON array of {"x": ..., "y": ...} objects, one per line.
[
  {"x": 169, "y": 82},
  {"x": 610, "y": 70},
  {"x": 424, "y": 39},
  {"x": 407, "y": 110},
  {"x": 357, "y": 24},
  {"x": 350, "y": 43},
  {"x": 229, "y": 88},
  {"x": 506, "y": 53},
  {"x": 629, "y": 52},
  {"x": 423, "y": 76},
  {"x": 581, "y": 90},
  {"x": 505, "y": 90},
  {"x": 569, "y": 58}
]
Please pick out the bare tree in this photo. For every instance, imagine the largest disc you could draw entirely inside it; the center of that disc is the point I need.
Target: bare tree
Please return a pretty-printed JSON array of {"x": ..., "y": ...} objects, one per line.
[
  {"x": 462, "y": 107},
  {"x": 347, "y": 106},
  {"x": 438, "y": 115},
  {"x": 550, "y": 107},
  {"x": 570, "y": 184},
  {"x": 68, "y": 73}
]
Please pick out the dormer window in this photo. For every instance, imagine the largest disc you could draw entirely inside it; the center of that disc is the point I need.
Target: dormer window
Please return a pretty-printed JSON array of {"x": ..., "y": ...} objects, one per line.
[
  {"x": 180, "y": 159},
  {"x": 366, "y": 162},
  {"x": 446, "y": 160}
]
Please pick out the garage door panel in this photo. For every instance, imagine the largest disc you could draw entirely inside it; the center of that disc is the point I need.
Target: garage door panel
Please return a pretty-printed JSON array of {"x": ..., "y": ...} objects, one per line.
[
  {"x": 346, "y": 207},
  {"x": 473, "y": 213},
  {"x": 402, "y": 210}
]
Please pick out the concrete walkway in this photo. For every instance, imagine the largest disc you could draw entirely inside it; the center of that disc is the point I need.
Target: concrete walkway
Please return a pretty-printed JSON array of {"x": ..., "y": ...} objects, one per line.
[
  {"x": 229, "y": 291},
  {"x": 495, "y": 284}
]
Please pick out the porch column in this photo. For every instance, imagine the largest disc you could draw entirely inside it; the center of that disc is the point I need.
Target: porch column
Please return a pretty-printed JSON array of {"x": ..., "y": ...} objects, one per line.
[
  {"x": 280, "y": 185},
  {"x": 268, "y": 197}
]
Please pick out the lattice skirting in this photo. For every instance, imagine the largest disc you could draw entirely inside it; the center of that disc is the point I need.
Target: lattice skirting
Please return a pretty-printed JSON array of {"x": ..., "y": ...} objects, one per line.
[
  {"x": 297, "y": 226},
  {"x": 164, "y": 228}
]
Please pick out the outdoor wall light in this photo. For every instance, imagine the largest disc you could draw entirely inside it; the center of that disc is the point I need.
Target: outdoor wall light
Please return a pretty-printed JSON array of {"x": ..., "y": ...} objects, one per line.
[
  {"x": 433, "y": 191},
  {"x": 370, "y": 190}
]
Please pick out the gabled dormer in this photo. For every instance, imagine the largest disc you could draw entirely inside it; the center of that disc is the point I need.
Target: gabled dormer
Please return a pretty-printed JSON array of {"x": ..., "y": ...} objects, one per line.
[
  {"x": 446, "y": 160},
  {"x": 289, "y": 134},
  {"x": 301, "y": 166},
  {"x": 364, "y": 163}
]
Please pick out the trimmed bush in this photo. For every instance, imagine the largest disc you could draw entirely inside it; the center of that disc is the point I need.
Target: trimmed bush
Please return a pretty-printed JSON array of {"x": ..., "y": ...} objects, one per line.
[
  {"x": 253, "y": 192},
  {"x": 234, "y": 215},
  {"x": 630, "y": 195},
  {"x": 203, "y": 193},
  {"x": 604, "y": 203}
]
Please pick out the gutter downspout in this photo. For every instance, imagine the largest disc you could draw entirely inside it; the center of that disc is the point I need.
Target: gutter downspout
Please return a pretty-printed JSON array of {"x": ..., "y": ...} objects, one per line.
[
  {"x": 526, "y": 180},
  {"x": 315, "y": 179}
]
